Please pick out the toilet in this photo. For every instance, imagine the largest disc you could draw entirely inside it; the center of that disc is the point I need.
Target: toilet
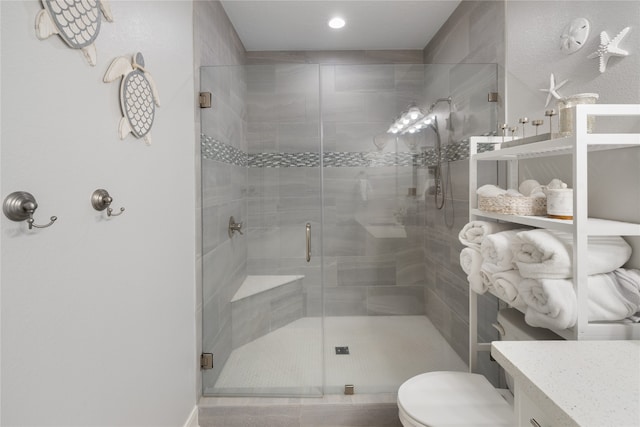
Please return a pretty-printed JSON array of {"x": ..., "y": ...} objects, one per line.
[{"x": 445, "y": 398}]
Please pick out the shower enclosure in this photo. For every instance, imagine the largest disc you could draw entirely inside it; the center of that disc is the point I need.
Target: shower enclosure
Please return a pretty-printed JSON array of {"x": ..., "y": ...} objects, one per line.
[{"x": 323, "y": 287}]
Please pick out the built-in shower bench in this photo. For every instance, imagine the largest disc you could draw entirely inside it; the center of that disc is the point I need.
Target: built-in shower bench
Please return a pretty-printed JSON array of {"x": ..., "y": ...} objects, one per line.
[{"x": 263, "y": 304}]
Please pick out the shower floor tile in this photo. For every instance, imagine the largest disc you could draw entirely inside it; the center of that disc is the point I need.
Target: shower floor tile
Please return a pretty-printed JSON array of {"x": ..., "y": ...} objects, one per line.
[{"x": 384, "y": 351}]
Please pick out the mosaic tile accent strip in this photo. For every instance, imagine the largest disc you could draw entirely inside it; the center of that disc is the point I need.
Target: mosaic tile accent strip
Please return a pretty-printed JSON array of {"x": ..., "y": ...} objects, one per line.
[
  {"x": 284, "y": 160},
  {"x": 367, "y": 159},
  {"x": 212, "y": 149},
  {"x": 216, "y": 150},
  {"x": 332, "y": 159}
]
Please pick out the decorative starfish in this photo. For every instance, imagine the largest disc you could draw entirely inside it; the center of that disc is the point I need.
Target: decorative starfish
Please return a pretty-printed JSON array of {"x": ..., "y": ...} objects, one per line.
[
  {"x": 553, "y": 89},
  {"x": 609, "y": 48}
]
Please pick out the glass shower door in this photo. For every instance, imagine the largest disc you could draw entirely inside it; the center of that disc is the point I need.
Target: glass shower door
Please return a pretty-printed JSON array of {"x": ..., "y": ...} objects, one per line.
[
  {"x": 390, "y": 255},
  {"x": 262, "y": 304}
]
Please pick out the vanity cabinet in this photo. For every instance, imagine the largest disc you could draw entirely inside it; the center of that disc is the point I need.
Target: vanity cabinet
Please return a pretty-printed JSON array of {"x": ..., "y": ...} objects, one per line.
[
  {"x": 581, "y": 226},
  {"x": 527, "y": 412},
  {"x": 573, "y": 383}
]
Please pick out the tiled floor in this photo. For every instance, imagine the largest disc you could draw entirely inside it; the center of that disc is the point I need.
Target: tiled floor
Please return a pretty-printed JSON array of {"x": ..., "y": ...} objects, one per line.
[{"x": 384, "y": 352}]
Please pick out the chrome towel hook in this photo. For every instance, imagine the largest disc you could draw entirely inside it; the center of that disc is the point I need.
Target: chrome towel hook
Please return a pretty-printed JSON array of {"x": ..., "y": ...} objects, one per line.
[
  {"x": 101, "y": 200},
  {"x": 20, "y": 206}
]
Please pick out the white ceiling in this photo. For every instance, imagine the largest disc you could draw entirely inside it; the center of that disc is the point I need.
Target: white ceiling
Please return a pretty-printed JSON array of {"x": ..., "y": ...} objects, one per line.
[{"x": 371, "y": 24}]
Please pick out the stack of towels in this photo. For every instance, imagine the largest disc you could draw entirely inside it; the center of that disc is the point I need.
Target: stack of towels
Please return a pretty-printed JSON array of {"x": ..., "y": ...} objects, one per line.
[{"x": 532, "y": 270}]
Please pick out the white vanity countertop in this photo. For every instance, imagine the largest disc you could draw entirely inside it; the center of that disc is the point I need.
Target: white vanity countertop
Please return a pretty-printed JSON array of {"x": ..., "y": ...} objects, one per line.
[{"x": 577, "y": 383}]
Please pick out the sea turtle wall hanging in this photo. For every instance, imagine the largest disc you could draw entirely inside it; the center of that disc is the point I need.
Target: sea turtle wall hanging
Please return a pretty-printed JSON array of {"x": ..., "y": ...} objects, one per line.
[
  {"x": 77, "y": 22},
  {"x": 138, "y": 96}
]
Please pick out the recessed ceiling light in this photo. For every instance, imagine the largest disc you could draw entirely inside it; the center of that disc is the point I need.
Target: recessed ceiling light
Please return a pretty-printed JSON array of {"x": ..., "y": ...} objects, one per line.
[{"x": 336, "y": 23}]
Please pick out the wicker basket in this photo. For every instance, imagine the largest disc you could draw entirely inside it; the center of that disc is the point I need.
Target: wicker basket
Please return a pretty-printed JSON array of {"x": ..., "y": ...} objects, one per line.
[{"x": 513, "y": 205}]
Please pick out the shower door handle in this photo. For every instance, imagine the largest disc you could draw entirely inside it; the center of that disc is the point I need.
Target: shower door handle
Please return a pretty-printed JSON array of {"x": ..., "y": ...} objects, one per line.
[{"x": 308, "y": 242}]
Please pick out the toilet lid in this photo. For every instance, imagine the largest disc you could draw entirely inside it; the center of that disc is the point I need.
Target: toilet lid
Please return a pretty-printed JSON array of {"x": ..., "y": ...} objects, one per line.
[{"x": 439, "y": 399}]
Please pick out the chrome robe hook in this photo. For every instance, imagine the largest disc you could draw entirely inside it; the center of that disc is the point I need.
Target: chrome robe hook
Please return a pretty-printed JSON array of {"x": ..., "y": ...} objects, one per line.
[
  {"x": 20, "y": 206},
  {"x": 101, "y": 200}
]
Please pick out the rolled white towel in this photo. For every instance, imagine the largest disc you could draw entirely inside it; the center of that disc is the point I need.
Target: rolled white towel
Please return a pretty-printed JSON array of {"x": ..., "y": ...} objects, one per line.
[
  {"x": 496, "y": 250},
  {"x": 490, "y": 190},
  {"x": 470, "y": 261},
  {"x": 487, "y": 280},
  {"x": 550, "y": 303},
  {"x": 505, "y": 285},
  {"x": 548, "y": 254},
  {"x": 527, "y": 186},
  {"x": 474, "y": 232},
  {"x": 513, "y": 193}
]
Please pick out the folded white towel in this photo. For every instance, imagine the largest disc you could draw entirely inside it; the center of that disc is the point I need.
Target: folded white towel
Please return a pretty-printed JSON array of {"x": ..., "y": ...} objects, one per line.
[
  {"x": 496, "y": 250},
  {"x": 474, "y": 232},
  {"x": 470, "y": 261},
  {"x": 609, "y": 299},
  {"x": 505, "y": 285},
  {"x": 490, "y": 190},
  {"x": 629, "y": 284},
  {"x": 548, "y": 254},
  {"x": 550, "y": 303}
]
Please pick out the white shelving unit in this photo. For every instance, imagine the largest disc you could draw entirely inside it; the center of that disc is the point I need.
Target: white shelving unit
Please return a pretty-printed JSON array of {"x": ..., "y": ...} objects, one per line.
[{"x": 578, "y": 146}]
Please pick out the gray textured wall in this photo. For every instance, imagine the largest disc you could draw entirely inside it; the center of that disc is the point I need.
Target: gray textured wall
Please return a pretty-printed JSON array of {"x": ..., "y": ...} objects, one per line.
[
  {"x": 364, "y": 274},
  {"x": 533, "y": 34}
]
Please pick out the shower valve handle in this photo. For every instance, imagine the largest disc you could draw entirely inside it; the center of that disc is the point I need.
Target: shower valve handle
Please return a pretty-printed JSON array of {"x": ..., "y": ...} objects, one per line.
[{"x": 234, "y": 227}]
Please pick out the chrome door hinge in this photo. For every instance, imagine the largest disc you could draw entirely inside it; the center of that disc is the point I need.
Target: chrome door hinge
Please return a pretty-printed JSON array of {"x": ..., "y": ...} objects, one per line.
[
  {"x": 205, "y": 99},
  {"x": 206, "y": 361}
]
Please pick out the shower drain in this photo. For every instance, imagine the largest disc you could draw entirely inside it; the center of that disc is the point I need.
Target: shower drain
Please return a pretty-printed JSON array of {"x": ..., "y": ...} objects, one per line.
[{"x": 342, "y": 350}]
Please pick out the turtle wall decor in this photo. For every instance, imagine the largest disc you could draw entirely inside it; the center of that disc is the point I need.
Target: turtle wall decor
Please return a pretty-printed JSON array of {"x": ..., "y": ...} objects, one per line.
[
  {"x": 138, "y": 96},
  {"x": 77, "y": 22}
]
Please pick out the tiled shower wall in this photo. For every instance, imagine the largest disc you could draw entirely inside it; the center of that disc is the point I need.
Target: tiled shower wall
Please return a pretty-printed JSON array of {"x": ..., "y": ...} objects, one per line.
[
  {"x": 375, "y": 273},
  {"x": 365, "y": 274},
  {"x": 474, "y": 34},
  {"x": 284, "y": 175}
]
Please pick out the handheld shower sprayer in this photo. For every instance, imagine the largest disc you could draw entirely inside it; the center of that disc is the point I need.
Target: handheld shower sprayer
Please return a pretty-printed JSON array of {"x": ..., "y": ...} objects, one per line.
[
  {"x": 415, "y": 120},
  {"x": 439, "y": 100}
]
